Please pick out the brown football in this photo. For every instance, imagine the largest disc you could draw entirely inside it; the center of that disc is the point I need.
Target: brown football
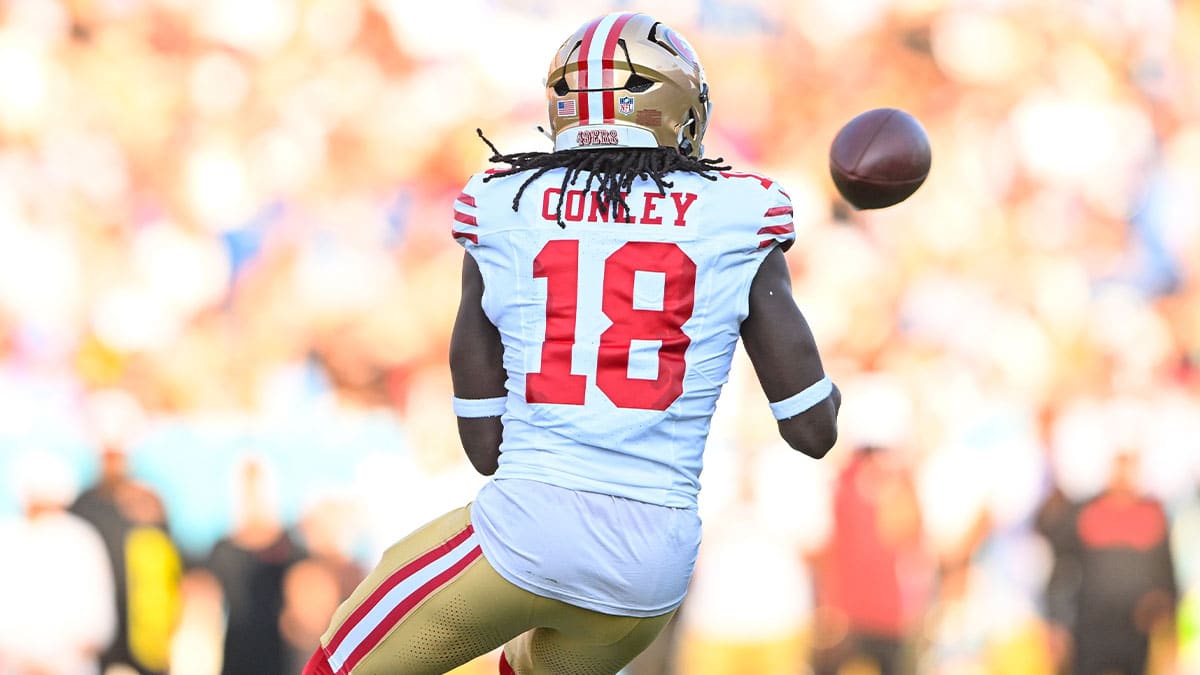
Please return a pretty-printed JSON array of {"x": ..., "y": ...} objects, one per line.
[{"x": 879, "y": 158}]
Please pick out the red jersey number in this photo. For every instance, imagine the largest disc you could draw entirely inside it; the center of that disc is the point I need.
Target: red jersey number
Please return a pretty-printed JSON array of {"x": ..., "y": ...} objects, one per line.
[{"x": 558, "y": 263}]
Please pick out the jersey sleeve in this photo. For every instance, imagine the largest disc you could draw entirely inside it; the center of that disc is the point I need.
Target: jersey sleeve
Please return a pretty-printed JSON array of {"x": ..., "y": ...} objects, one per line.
[
  {"x": 478, "y": 226},
  {"x": 775, "y": 225},
  {"x": 465, "y": 226}
]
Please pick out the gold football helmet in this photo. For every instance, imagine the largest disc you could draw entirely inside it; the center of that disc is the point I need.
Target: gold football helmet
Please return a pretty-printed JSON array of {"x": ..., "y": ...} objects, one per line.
[{"x": 626, "y": 80}]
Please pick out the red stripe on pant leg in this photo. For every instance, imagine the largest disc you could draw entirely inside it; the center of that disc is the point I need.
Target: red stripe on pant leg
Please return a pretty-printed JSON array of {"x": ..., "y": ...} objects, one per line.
[
  {"x": 608, "y": 57},
  {"x": 391, "y": 582},
  {"x": 505, "y": 669},
  {"x": 407, "y": 605},
  {"x": 318, "y": 664}
]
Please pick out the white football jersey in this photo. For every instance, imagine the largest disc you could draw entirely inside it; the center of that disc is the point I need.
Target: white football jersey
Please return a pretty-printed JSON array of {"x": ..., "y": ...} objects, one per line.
[{"x": 618, "y": 329}]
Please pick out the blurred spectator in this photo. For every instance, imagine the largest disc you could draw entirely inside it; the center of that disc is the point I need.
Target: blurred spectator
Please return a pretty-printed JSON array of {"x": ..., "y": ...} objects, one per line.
[
  {"x": 1185, "y": 532},
  {"x": 56, "y": 584},
  {"x": 864, "y": 608},
  {"x": 130, "y": 517},
  {"x": 750, "y": 605},
  {"x": 1056, "y": 523},
  {"x": 195, "y": 647},
  {"x": 318, "y": 582},
  {"x": 251, "y": 565},
  {"x": 1113, "y": 584}
]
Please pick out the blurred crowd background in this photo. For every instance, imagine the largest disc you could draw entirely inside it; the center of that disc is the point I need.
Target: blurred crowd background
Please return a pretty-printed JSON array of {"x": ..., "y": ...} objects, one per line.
[{"x": 227, "y": 284}]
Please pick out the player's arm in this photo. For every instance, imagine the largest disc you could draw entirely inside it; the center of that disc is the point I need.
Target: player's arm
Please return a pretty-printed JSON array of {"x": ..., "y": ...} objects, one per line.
[
  {"x": 784, "y": 354},
  {"x": 477, "y": 371}
]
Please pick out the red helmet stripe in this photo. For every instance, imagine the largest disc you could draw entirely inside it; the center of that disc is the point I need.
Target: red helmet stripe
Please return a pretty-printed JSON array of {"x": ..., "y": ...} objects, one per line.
[
  {"x": 593, "y": 50},
  {"x": 584, "y": 76},
  {"x": 610, "y": 50}
]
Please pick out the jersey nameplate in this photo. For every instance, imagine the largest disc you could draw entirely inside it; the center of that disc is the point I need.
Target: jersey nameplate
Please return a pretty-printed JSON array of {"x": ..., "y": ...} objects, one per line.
[{"x": 650, "y": 208}]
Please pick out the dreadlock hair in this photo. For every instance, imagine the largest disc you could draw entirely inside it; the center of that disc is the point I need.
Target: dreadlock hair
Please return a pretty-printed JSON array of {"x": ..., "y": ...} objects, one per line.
[{"x": 613, "y": 171}]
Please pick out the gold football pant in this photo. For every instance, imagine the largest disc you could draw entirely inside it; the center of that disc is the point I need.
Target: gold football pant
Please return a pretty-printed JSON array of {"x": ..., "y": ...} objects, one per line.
[{"x": 434, "y": 603}]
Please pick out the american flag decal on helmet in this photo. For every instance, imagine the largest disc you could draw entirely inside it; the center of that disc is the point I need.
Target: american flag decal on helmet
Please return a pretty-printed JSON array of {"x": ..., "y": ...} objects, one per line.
[{"x": 566, "y": 108}]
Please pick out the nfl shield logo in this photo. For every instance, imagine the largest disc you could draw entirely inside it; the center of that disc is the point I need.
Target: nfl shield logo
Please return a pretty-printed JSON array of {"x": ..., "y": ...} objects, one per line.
[{"x": 626, "y": 103}]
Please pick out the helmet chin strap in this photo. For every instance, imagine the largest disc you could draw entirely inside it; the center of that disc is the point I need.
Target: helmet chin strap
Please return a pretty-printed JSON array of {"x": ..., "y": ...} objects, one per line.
[{"x": 542, "y": 130}]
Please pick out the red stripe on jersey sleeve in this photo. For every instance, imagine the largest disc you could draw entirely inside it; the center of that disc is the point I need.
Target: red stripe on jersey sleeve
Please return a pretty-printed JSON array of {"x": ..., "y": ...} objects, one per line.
[
  {"x": 785, "y": 244},
  {"x": 789, "y": 228},
  {"x": 466, "y": 199},
  {"x": 778, "y": 229},
  {"x": 465, "y": 218},
  {"x": 471, "y": 237},
  {"x": 778, "y": 211}
]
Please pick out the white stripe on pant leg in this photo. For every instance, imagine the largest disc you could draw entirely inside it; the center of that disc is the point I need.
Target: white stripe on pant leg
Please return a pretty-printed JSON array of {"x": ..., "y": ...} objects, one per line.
[
  {"x": 595, "y": 71},
  {"x": 393, "y": 599}
]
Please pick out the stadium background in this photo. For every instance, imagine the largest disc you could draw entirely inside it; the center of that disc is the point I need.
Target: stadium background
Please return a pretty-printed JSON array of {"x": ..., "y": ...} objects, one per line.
[{"x": 224, "y": 238}]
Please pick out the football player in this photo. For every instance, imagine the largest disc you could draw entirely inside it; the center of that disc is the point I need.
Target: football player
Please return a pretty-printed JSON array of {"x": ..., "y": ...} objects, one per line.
[{"x": 604, "y": 289}]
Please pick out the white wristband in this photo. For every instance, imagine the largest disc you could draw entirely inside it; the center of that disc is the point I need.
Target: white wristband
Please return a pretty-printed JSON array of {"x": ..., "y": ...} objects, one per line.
[
  {"x": 479, "y": 407},
  {"x": 812, "y": 395}
]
